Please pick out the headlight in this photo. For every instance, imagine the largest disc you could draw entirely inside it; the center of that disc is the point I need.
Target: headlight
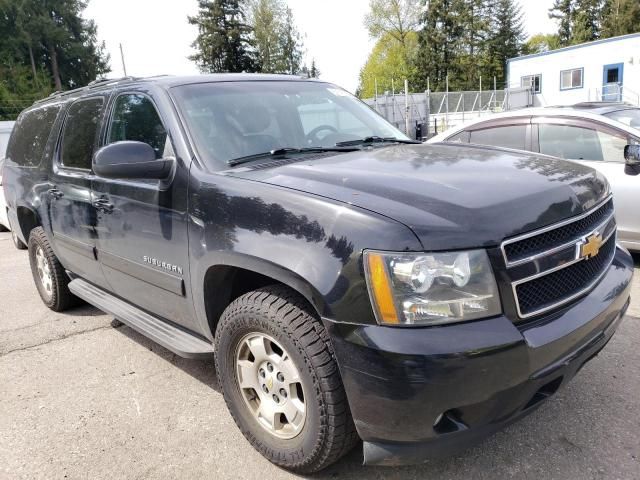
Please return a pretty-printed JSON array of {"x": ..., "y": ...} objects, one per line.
[{"x": 431, "y": 288}]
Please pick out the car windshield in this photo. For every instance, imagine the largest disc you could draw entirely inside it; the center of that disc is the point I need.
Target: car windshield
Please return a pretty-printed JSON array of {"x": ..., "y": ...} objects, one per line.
[
  {"x": 628, "y": 116},
  {"x": 234, "y": 120}
]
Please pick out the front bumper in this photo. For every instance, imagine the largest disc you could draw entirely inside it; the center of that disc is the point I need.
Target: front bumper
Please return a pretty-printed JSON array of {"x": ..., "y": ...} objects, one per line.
[{"x": 420, "y": 393}]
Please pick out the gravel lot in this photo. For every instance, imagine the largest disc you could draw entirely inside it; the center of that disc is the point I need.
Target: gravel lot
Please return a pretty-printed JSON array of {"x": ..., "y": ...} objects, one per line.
[{"x": 82, "y": 397}]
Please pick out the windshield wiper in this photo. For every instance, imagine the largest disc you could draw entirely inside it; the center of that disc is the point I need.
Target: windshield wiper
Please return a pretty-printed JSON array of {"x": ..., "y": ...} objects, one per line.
[
  {"x": 375, "y": 139},
  {"x": 285, "y": 150}
]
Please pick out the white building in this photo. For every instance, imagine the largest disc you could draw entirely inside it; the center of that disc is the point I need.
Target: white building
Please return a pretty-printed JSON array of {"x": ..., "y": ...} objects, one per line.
[{"x": 606, "y": 69}]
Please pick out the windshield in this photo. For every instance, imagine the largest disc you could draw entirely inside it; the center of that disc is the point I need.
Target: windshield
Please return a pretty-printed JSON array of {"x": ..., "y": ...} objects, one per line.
[
  {"x": 628, "y": 116},
  {"x": 232, "y": 120}
]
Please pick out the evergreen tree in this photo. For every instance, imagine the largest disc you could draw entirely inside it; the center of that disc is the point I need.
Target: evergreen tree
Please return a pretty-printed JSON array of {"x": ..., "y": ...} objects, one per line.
[
  {"x": 46, "y": 45},
  {"x": 505, "y": 39},
  {"x": 314, "y": 72},
  {"x": 224, "y": 39},
  {"x": 620, "y": 17},
  {"x": 562, "y": 11},
  {"x": 439, "y": 45},
  {"x": 291, "y": 45},
  {"x": 277, "y": 41},
  {"x": 586, "y": 21},
  {"x": 476, "y": 18}
]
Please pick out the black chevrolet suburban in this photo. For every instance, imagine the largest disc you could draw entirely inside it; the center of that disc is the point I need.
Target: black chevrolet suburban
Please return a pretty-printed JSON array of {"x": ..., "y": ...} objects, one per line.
[{"x": 350, "y": 283}]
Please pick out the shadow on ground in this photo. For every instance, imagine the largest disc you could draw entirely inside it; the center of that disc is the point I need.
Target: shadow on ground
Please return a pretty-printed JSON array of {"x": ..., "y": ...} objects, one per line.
[{"x": 560, "y": 432}]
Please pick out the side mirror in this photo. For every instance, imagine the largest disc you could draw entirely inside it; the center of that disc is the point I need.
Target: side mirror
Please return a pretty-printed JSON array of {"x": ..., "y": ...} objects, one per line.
[
  {"x": 632, "y": 159},
  {"x": 131, "y": 160}
]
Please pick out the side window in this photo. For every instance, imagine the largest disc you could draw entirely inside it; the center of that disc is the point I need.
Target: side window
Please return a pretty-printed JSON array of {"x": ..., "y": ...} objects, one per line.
[
  {"x": 509, "y": 136},
  {"x": 135, "y": 118},
  {"x": 571, "y": 79},
  {"x": 30, "y": 135},
  {"x": 571, "y": 142},
  {"x": 461, "y": 137},
  {"x": 79, "y": 136}
]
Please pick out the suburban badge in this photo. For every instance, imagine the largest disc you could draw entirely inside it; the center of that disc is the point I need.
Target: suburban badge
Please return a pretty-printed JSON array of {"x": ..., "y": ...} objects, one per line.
[{"x": 164, "y": 265}]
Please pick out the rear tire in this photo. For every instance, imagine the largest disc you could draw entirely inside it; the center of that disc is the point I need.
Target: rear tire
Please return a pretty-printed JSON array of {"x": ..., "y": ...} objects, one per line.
[
  {"x": 297, "y": 416},
  {"x": 48, "y": 274},
  {"x": 14, "y": 237}
]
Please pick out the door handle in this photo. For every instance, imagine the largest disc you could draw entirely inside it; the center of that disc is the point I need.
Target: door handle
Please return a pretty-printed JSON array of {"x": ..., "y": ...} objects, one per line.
[
  {"x": 103, "y": 205},
  {"x": 55, "y": 193}
]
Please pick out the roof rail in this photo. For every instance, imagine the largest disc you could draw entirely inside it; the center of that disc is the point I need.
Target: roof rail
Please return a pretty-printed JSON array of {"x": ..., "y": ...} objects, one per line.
[{"x": 99, "y": 82}]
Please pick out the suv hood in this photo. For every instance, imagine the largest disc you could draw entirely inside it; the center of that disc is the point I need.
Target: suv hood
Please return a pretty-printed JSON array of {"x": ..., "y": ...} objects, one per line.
[{"x": 450, "y": 196}]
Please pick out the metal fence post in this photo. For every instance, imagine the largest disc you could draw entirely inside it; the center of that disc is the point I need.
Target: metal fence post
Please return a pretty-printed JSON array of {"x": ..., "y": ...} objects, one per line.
[
  {"x": 406, "y": 106},
  {"x": 446, "y": 96}
]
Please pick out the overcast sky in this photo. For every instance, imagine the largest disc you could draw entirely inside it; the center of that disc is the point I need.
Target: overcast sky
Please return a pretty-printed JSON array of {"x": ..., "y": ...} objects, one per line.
[{"x": 156, "y": 37}]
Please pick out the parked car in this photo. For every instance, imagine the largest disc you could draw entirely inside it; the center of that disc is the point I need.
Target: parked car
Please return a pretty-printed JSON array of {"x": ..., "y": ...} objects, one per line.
[
  {"x": 348, "y": 281},
  {"x": 5, "y": 133},
  {"x": 593, "y": 133}
]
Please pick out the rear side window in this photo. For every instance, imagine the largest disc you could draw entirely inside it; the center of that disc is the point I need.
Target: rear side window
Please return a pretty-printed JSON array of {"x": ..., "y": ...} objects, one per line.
[
  {"x": 135, "y": 118},
  {"x": 30, "y": 135},
  {"x": 510, "y": 136},
  {"x": 79, "y": 136}
]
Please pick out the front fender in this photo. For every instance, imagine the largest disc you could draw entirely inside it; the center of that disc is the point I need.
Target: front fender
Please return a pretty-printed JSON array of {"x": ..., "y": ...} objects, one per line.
[{"x": 310, "y": 243}]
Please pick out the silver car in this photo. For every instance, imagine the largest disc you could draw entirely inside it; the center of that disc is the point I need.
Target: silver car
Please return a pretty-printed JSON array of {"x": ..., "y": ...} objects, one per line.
[
  {"x": 593, "y": 134},
  {"x": 5, "y": 133}
]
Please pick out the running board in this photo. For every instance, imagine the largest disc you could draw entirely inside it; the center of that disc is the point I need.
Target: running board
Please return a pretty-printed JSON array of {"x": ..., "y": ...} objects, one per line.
[{"x": 178, "y": 341}]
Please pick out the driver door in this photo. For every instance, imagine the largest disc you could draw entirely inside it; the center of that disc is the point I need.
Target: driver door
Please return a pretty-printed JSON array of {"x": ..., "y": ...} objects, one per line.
[{"x": 142, "y": 224}]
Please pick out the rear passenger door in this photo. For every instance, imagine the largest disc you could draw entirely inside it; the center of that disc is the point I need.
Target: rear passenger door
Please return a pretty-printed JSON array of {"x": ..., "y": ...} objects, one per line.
[
  {"x": 71, "y": 212},
  {"x": 142, "y": 224}
]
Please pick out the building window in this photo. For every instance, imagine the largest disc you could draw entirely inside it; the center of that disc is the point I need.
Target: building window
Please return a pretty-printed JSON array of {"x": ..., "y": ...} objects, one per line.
[
  {"x": 532, "y": 81},
  {"x": 571, "y": 78}
]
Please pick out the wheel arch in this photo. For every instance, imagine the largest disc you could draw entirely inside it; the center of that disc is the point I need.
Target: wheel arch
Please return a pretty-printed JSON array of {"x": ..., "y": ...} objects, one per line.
[
  {"x": 224, "y": 282},
  {"x": 28, "y": 219}
]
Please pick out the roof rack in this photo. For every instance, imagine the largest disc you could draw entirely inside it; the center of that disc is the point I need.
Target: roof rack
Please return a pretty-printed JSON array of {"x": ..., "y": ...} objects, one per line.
[{"x": 97, "y": 83}]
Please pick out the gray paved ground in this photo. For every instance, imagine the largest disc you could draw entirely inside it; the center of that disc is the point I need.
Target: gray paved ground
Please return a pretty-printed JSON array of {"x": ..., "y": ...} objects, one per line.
[{"x": 80, "y": 398}]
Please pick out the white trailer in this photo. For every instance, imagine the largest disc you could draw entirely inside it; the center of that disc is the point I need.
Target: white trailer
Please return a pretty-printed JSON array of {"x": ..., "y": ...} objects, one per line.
[{"x": 603, "y": 70}]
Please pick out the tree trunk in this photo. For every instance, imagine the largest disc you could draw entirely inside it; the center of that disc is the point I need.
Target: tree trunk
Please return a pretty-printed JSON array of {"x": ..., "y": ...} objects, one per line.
[
  {"x": 54, "y": 67},
  {"x": 33, "y": 66}
]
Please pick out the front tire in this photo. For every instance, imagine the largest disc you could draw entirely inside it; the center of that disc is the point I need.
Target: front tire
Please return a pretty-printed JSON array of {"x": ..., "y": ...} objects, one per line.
[
  {"x": 280, "y": 380},
  {"x": 49, "y": 275}
]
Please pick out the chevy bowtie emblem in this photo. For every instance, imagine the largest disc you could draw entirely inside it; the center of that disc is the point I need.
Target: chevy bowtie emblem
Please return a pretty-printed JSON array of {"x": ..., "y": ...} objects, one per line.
[
  {"x": 591, "y": 246},
  {"x": 269, "y": 383}
]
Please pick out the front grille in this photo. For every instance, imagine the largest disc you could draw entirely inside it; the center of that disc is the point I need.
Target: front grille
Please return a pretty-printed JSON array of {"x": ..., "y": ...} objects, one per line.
[
  {"x": 555, "y": 265},
  {"x": 563, "y": 284},
  {"x": 533, "y": 245}
]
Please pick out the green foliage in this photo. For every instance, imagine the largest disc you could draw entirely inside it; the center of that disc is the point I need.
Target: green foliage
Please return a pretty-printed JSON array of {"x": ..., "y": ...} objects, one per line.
[
  {"x": 388, "y": 64},
  {"x": 563, "y": 11},
  {"x": 224, "y": 41},
  {"x": 466, "y": 40},
  {"x": 541, "y": 43},
  {"x": 505, "y": 39},
  {"x": 439, "y": 45},
  {"x": 620, "y": 17},
  {"x": 46, "y": 45},
  {"x": 396, "y": 18},
  {"x": 582, "y": 21},
  {"x": 276, "y": 38},
  {"x": 313, "y": 72}
]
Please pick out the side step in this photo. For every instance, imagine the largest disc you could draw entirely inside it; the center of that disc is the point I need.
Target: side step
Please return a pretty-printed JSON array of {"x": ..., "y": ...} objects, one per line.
[{"x": 178, "y": 341}]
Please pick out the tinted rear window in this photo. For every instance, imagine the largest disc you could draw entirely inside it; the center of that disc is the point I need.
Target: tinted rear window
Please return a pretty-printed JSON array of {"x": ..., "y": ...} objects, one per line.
[
  {"x": 511, "y": 136},
  {"x": 79, "y": 137},
  {"x": 30, "y": 135}
]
